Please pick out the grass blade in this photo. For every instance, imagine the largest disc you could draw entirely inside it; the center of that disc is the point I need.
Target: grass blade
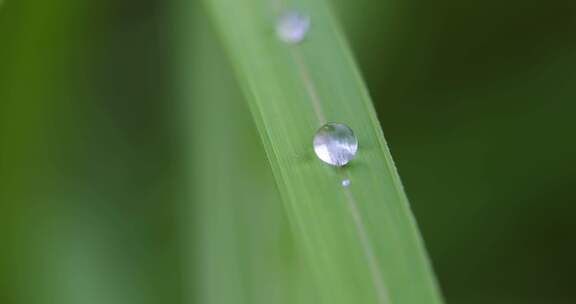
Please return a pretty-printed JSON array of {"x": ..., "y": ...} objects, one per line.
[
  {"x": 361, "y": 240},
  {"x": 229, "y": 257}
]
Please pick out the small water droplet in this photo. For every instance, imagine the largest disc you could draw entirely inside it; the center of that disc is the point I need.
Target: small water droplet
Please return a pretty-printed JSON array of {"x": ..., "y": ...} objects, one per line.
[
  {"x": 345, "y": 182},
  {"x": 292, "y": 26},
  {"x": 335, "y": 144}
]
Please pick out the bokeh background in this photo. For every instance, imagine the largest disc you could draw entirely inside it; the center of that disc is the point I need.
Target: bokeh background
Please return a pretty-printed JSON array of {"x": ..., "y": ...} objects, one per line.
[{"x": 129, "y": 165}]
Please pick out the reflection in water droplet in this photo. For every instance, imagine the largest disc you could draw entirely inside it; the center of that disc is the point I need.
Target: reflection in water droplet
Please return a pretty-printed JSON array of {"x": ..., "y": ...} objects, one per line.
[
  {"x": 335, "y": 144},
  {"x": 345, "y": 182},
  {"x": 292, "y": 27}
]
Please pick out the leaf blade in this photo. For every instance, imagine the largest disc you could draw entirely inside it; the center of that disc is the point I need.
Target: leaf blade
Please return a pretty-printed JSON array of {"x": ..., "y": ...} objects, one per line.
[{"x": 362, "y": 240}]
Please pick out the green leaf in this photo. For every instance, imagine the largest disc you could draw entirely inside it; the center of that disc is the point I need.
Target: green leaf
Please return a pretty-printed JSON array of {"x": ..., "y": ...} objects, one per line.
[
  {"x": 361, "y": 241},
  {"x": 238, "y": 243}
]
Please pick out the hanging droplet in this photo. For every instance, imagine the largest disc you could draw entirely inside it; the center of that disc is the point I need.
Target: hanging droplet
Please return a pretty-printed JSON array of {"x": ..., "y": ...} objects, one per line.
[
  {"x": 292, "y": 27},
  {"x": 335, "y": 144},
  {"x": 345, "y": 182}
]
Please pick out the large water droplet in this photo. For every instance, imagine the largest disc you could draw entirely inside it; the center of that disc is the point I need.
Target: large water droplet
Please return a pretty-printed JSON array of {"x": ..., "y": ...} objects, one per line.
[
  {"x": 335, "y": 144},
  {"x": 292, "y": 27}
]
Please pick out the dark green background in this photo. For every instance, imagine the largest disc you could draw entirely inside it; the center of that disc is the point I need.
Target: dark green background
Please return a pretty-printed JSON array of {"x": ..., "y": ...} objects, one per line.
[{"x": 477, "y": 101}]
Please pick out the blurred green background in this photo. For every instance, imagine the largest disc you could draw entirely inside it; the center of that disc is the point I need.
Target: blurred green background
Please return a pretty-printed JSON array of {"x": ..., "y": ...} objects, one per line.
[{"x": 130, "y": 171}]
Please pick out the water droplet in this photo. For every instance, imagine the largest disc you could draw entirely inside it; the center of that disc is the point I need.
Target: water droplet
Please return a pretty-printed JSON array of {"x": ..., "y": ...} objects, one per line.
[
  {"x": 292, "y": 27},
  {"x": 345, "y": 182},
  {"x": 335, "y": 144}
]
